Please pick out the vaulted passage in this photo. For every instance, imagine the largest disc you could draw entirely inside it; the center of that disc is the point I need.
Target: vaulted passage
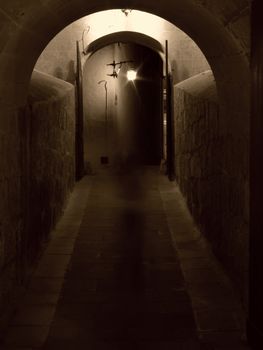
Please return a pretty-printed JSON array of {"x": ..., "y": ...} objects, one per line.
[{"x": 69, "y": 118}]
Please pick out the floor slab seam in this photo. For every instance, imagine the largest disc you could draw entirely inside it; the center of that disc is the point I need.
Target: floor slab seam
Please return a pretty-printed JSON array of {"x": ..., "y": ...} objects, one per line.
[
  {"x": 202, "y": 248},
  {"x": 154, "y": 292},
  {"x": 19, "y": 321}
]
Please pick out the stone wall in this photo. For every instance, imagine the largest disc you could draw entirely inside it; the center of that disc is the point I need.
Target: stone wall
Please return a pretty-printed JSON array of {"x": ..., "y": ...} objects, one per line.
[
  {"x": 52, "y": 153},
  {"x": 185, "y": 56},
  {"x": 11, "y": 232},
  {"x": 36, "y": 180},
  {"x": 99, "y": 114},
  {"x": 216, "y": 197}
]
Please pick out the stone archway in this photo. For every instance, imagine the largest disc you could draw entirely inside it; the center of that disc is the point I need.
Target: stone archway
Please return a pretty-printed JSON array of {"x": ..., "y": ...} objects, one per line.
[{"x": 26, "y": 30}]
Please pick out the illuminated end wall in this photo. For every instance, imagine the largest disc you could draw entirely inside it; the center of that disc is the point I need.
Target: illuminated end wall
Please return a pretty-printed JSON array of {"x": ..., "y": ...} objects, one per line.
[
  {"x": 139, "y": 107},
  {"x": 122, "y": 118}
]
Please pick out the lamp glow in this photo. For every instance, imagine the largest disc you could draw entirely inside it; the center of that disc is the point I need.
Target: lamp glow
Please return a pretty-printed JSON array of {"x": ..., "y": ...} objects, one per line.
[{"x": 131, "y": 74}]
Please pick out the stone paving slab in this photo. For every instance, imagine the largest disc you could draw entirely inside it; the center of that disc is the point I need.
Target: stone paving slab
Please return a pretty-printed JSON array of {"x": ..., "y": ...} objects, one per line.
[
  {"x": 26, "y": 336},
  {"x": 31, "y": 323},
  {"x": 126, "y": 268},
  {"x": 219, "y": 314},
  {"x": 124, "y": 287}
]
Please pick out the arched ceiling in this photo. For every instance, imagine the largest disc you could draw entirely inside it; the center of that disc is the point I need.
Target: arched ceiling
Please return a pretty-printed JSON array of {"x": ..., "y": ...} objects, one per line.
[
  {"x": 125, "y": 36},
  {"x": 214, "y": 25},
  {"x": 102, "y": 28},
  {"x": 219, "y": 27},
  {"x": 106, "y": 22}
]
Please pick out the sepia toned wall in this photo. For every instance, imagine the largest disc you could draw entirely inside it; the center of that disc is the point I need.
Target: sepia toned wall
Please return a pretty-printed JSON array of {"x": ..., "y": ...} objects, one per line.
[
  {"x": 213, "y": 174},
  {"x": 99, "y": 118},
  {"x": 51, "y": 146},
  {"x": 44, "y": 176},
  {"x": 131, "y": 125}
]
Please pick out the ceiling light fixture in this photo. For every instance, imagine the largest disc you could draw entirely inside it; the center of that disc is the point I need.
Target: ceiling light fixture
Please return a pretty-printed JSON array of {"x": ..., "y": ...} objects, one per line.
[{"x": 126, "y": 11}]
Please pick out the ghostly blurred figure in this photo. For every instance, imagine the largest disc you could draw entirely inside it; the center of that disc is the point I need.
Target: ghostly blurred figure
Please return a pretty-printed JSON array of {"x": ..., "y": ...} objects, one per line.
[
  {"x": 130, "y": 190},
  {"x": 130, "y": 179}
]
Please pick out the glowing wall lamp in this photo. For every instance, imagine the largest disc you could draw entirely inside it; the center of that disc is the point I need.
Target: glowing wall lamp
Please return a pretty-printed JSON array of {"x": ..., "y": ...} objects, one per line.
[{"x": 131, "y": 74}]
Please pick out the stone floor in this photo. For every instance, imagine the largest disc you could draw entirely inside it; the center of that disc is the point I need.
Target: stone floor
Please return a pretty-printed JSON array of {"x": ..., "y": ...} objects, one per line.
[{"x": 126, "y": 268}]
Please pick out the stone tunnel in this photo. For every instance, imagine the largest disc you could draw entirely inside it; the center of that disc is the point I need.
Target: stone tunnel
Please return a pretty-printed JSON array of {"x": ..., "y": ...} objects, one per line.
[{"x": 190, "y": 117}]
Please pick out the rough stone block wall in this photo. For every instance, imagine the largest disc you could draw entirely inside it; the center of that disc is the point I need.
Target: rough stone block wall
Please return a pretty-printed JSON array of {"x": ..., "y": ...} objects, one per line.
[
  {"x": 10, "y": 210},
  {"x": 216, "y": 198},
  {"x": 36, "y": 178},
  {"x": 52, "y": 154}
]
